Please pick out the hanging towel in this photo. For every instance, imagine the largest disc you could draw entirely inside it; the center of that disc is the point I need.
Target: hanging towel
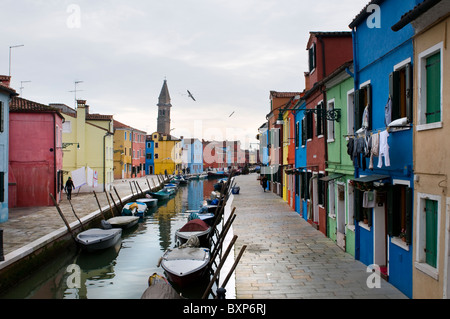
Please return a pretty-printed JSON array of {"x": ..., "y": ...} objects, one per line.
[
  {"x": 369, "y": 199},
  {"x": 388, "y": 112},
  {"x": 375, "y": 150},
  {"x": 384, "y": 149}
]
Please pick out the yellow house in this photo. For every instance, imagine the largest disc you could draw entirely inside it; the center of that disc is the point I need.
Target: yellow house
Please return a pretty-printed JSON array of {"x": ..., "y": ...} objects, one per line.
[
  {"x": 286, "y": 130},
  {"x": 431, "y": 235},
  {"x": 122, "y": 150},
  {"x": 88, "y": 147},
  {"x": 167, "y": 153}
]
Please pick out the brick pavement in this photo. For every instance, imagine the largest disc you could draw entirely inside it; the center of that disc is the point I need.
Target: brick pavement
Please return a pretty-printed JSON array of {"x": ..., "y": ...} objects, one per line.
[{"x": 286, "y": 258}]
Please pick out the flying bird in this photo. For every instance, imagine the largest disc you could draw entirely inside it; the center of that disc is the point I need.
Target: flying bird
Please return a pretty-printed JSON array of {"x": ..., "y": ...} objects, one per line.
[
  {"x": 231, "y": 114},
  {"x": 190, "y": 95}
]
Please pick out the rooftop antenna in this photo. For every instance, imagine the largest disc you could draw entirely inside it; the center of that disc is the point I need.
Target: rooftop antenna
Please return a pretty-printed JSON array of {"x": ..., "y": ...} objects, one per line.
[
  {"x": 76, "y": 83},
  {"x": 21, "y": 87}
]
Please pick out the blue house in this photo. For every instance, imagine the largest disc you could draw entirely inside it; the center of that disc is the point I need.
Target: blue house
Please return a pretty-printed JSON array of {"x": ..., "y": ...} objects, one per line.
[
  {"x": 300, "y": 160},
  {"x": 149, "y": 157},
  {"x": 5, "y": 96},
  {"x": 384, "y": 181}
]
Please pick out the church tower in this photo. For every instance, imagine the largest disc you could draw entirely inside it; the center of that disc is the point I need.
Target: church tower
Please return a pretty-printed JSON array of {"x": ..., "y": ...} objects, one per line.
[{"x": 164, "y": 110}]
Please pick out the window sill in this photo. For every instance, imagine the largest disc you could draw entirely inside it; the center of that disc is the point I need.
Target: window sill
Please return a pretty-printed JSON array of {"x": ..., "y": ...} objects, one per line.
[
  {"x": 427, "y": 269},
  {"x": 332, "y": 216},
  {"x": 365, "y": 226},
  {"x": 331, "y": 140},
  {"x": 429, "y": 126},
  {"x": 351, "y": 228},
  {"x": 400, "y": 243}
]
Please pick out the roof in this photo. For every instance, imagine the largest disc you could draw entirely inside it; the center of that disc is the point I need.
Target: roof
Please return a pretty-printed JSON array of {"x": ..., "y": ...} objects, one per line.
[
  {"x": 99, "y": 117},
  {"x": 371, "y": 178},
  {"x": 413, "y": 14},
  {"x": 19, "y": 104},
  {"x": 283, "y": 94},
  {"x": 363, "y": 14},
  {"x": 164, "y": 96}
]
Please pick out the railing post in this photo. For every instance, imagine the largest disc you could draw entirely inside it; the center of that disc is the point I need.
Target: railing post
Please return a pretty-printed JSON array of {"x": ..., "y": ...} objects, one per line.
[{"x": 221, "y": 293}]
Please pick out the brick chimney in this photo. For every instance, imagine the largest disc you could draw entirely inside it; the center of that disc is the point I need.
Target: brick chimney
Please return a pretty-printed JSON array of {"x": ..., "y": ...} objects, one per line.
[{"x": 5, "y": 80}]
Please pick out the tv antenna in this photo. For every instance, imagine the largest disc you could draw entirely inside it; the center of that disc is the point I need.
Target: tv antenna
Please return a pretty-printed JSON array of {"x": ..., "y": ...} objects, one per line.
[{"x": 75, "y": 91}]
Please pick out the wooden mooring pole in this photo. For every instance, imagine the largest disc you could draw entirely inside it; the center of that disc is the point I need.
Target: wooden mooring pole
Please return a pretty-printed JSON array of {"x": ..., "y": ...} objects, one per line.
[
  {"x": 62, "y": 216},
  {"x": 121, "y": 204}
]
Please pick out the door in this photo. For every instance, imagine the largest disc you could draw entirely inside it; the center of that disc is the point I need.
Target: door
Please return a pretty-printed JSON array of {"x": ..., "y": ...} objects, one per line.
[{"x": 340, "y": 235}]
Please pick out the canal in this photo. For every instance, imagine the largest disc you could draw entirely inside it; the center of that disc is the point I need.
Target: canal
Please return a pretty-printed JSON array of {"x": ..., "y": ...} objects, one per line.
[{"x": 120, "y": 272}]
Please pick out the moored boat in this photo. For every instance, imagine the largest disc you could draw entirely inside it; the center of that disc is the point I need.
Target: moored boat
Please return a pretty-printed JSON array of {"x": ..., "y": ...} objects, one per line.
[
  {"x": 123, "y": 222},
  {"x": 150, "y": 202},
  {"x": 194, "y": 227},
  {"x": 184, "y": 266},
  {"x": 96, "y": 238},
  {"x": 159, "y": 288},
  {"x": 134, "y": 209}
]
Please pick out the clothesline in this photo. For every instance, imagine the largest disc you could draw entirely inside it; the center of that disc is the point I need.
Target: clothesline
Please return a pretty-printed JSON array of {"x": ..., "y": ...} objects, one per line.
[{"x": 371, "y": 132}]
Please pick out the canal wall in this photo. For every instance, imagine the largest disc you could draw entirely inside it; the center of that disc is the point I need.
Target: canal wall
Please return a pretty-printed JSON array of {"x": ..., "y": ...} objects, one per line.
[{"x": 23, "y": 261}]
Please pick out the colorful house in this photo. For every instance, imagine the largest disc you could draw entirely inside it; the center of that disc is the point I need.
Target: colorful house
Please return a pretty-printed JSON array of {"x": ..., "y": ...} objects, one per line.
[
  {"x": 192, "y": 150},
  {"x": 216, "y": 155},
  {"x": 340, "y": 171},
  {"x": 6, "y": 93},
  {"x": 36, "y": 160},
  {"x": 138, "y": 152},
  {"x": 167, "y": 154},
  {"x": 149, "y": 156},
  {"x": 301, "y": 187},
  {"x": 384, "y": 182},
  {"x": 122, "y": 150},
  {"x": 88, "y": 147},
  {"x": 326, "y": 51},
  {"x": 431, "y": 221}
]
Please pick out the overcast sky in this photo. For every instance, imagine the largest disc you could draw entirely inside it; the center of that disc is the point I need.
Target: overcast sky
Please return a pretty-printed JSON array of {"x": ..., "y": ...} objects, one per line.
[{"x": 229, "y": 53}]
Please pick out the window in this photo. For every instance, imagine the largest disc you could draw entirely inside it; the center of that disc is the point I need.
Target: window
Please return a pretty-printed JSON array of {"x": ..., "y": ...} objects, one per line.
[
  {"x": 156, "y": 156},
  {"x": 312, "y": 58},
  {"x": 304, "y": 131},
  {"x": 2, "y": 117},
  {"x": 399, "y": 211},
  {"x": 363, "y": 107},
  {"x": 321, "y": 189},
  {"x": 67, "y": 126},
  {"x": 2, "y": 186},
  {"x": 427, "y": 239},
  {"x": 156, "y": 145},
  {"x": 400, "y": 93},
  {"x": 319, "y": 119},
  {"x": 330, "y": 124},
  {"x": 297, "y": 134},
  {"x": 309, "y": 125},
  {"x": 125, "y": 135},
  {"x": 350, "y": 112},
  {"x": 430, "y": 88}
]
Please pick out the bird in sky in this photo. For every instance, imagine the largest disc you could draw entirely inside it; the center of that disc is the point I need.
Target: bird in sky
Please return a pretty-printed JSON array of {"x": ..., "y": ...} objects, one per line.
[
  {"x": 231, "y": 114},
  {"x": 190, "y": 95}
]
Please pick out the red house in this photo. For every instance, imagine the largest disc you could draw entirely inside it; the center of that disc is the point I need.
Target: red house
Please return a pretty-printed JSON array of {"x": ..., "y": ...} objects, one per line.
[
  {"x": 35, "y": 153},
  {"x": 326, "y": 51}
]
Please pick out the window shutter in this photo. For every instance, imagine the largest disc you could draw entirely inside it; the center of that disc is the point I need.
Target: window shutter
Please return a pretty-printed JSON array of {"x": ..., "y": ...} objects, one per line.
[
  {"x": 433, "y": 113},
  {"x": 409, "y": 214},
  {"x": 390, "y": 210},
  {"x": 2, "y": 187},
  {"x": 394, "y": 93},
  {"x": 297, "y": 134},
  {"x": 319, "y": 119},
  {"x": 309, "y": 125},
  {"x": 369, "y": 103},
  {"x": 304, "y": 133},
  {"x": 409, "y": 92},
  {"x": 431, "y": 232},
  {"x": 358, "y": 112}
]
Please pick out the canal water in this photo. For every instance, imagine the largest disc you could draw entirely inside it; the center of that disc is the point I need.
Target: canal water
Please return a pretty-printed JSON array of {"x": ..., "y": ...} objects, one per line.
[{"x": 120, "y": 272}]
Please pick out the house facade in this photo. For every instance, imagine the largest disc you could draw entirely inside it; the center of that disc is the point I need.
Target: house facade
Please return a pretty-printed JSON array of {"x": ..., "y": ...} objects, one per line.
[
  {"x": 122, "y": 150},
  {"x": 167, "y": 153},
  {"x": 149, "y": 156},
  {"x": 138, "y": 153},
  {"x": 431, "y": 217},
  {"x": 88, "y": 148},
  {"x": 35, "y": 160},
  {"x": 192, "y": 149},
  {"x": 6, "y": 93},
  {"x": 301, "y": 187},
  {"x": 340, "y": 171},
  {"x": 384, "y": 182},
  {"x": 326, "y": 51}
]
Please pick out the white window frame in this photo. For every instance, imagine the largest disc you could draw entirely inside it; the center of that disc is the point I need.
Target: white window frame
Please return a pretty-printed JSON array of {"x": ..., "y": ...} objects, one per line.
[
  {"x": 422, "y": 89},
  {"x": 350, "y": 112},
  {"x": 419, "y": 262}
]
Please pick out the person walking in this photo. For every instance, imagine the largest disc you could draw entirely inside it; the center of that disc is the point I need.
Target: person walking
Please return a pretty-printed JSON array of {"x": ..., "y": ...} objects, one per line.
[
  {"x": 69, "y": 186},
  {"x": 264, "y": 183}
]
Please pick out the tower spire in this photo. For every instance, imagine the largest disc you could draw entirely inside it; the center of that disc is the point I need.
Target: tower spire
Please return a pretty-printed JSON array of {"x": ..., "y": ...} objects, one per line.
[{"x": 164, "y": 110}]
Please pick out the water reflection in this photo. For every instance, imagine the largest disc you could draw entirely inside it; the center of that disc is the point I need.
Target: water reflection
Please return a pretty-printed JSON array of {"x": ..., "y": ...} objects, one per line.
[{"x": 120, "y": 272}]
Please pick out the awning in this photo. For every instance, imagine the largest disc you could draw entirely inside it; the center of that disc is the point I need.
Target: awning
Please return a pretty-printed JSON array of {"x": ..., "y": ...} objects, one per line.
[
  {"x": 330, "y": 177},
  {"x": 371, "y": 178}
]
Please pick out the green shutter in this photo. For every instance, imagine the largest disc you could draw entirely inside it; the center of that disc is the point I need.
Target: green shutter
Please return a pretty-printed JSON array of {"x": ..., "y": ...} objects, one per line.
[
  {"x": 431, "y": 232},
  {"x": 433, "y": 112}
]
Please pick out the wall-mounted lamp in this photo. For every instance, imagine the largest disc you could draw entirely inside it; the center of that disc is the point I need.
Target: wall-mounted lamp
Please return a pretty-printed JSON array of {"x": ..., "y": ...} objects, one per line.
[{"x": 65, "y": 145}]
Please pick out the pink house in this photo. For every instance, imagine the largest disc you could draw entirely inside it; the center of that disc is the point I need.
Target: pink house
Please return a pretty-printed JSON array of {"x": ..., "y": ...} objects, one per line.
[{"x": 35, "y": 153}]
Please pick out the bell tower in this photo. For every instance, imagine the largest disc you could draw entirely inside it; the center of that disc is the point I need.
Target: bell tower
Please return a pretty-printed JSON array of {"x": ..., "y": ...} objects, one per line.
[{"x": 164, "y": 110}]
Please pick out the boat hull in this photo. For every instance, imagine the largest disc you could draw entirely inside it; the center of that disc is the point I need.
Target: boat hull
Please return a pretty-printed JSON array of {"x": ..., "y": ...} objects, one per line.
[
  {"x": 97, "y": 239},
  {"x": 184, "y": 266},
  {"x": 123, "y": 222},
  {"x": 150, "y": 202}
]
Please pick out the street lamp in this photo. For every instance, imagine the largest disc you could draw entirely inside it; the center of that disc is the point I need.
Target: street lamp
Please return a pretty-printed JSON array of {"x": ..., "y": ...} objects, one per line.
[{"x": 12, "y": 47}]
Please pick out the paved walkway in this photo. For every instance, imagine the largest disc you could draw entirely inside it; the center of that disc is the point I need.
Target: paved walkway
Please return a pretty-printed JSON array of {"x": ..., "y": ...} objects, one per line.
[{"x": 286, "y": 258}]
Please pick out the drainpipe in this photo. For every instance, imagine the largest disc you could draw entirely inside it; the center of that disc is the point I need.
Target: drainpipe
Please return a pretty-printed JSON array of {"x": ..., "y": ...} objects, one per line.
[{"x": 104, "y": 160}]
